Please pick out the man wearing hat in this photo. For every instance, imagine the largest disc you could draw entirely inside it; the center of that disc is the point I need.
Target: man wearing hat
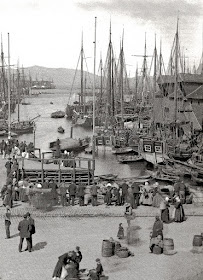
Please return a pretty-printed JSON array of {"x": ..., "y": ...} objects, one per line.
[
  {"x": 24, "y": 228},
  {"x": 32, "y": 226},
  {"x": 7, "y": 218},
  {"x": 8, "y": 166},
  {"x": 99, "y": 268}
]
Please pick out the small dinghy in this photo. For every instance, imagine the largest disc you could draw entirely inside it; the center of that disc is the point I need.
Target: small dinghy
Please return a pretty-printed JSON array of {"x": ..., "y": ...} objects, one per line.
[{"x": 61, "y": 129}]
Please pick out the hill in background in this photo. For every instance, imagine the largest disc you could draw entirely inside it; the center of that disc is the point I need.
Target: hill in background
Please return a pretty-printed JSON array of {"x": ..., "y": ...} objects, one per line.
[{"x": 64, "y": 78}]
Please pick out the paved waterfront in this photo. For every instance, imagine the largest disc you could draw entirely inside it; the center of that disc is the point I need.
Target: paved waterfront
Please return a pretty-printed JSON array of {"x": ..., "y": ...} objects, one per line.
[{"x": 54, "y": 236}]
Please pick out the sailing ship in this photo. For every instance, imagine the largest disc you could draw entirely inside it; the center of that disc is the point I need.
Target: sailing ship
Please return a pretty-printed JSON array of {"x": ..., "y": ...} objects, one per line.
[{"x": 81, "y": 111}]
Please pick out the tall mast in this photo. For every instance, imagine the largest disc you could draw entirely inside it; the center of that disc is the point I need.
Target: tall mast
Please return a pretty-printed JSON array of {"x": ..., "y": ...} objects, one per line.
[
  {"x": 9, "y": 91},
  {"x": 154, "y": 78},
  {"x": 121, "y": 77},
  {"x": 93, "y": 142},
  {"x": 3, "y": 70},
  {"x": 18, "y": 92},
  {"x": 176, "y": 81},
  {"x": 81, "y": 56}
]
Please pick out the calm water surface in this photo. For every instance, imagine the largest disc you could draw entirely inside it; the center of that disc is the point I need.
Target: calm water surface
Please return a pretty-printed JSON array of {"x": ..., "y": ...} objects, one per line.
[{"x": 46, "y": 131}]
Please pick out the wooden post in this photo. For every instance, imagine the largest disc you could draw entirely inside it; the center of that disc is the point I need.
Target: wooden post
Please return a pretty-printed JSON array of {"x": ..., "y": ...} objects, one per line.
[
  {"x": 74, "y": 170},
  {"x": 59, "y": 175},
  {"x": 89, "y": 172},
  {"x": 42, "y": 161}
]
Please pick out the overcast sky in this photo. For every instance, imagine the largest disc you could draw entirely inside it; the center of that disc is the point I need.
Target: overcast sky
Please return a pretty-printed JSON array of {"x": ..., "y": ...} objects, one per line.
[{"x": 48, "y": 32}]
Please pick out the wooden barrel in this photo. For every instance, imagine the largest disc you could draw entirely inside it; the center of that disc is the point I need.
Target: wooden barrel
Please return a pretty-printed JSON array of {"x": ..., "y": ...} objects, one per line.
[
  {"x": 168, "y": 244},
  {"x": 157, "y": 250},
  {"x": 197, "y": 240},
  {"x": 107, "y": 248},
  {"x": 122, "y": 252}
]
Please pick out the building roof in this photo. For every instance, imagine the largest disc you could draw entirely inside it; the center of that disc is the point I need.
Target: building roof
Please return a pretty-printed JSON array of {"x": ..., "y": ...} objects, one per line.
[
  {"x": 187, "y": 78},
  {"x": 196, "y": 94}
]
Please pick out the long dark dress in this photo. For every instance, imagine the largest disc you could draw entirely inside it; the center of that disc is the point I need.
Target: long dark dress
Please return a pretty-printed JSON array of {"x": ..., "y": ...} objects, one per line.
[
  {"x": 179, "y": 212},
  {"x": 120, "y": 234},
  {"x": 157, "y": 229}
]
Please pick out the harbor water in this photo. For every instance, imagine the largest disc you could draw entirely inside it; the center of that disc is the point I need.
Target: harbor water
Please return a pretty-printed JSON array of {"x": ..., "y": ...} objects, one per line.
[{"x": 46, "y": 131}]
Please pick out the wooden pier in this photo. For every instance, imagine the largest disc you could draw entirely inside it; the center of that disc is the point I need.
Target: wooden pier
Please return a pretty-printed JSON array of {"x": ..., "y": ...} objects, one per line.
[{"x": 79, "y": 169}]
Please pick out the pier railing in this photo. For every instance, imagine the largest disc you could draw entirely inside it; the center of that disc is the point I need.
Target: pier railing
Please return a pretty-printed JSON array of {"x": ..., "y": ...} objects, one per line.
[{"x": 76, "y": 169}]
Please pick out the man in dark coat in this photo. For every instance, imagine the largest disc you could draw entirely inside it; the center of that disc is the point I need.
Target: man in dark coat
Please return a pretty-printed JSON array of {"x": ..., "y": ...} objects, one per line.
[
  {"x": 7, "y": 218},
  {"x": 72, "y": 192},
  {"x": 8, "y": 166},
  {"x": 53, "y": 186},
  {"x": 32, "y": 226},
  {"x": 81, "y": 193},
  {"x": 136, "y": 192},
  {"x": 99, "y": 268},
  {"x": 78, "y": 257},
  {"x": 94, "y": 194},
  {"x": 24, "y": 227},
  {"x": 124, "y": 188}
]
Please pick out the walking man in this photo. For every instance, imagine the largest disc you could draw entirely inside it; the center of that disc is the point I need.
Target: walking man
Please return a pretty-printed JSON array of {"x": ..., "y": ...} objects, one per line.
[
  {"x": 94, "y": 195},
  {"x": 72, "y": 192},
  {"x": 81, "y": 193},
  {"x": 32, "y": 226},
  {"x": 24, "y": 229},
  {"x": 8, "y": 166},
  {"x": 7, "y": 218}
]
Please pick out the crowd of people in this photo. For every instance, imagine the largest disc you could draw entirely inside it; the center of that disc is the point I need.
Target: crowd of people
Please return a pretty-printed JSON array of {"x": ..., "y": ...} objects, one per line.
[{"x": 14, "y": 148}]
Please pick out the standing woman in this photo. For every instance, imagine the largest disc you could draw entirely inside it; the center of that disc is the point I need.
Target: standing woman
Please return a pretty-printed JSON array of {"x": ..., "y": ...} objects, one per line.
[
  {"x": 165, "y": 211},
  {"x": 179, "y": 211}
]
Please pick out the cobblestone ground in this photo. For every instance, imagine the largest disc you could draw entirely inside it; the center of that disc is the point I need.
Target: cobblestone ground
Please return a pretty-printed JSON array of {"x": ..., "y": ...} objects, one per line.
[{"x": 56, "y": 235}]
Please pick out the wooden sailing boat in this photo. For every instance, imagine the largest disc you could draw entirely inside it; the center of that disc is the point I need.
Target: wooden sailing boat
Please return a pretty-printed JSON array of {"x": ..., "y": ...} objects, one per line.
[
  {"x": 22, "y": 126},
  {"x": 81, "y": 111}
]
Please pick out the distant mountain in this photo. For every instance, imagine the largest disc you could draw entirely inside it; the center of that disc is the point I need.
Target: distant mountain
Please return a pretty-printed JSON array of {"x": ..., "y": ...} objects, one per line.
[{"x": 62, "y": 77}]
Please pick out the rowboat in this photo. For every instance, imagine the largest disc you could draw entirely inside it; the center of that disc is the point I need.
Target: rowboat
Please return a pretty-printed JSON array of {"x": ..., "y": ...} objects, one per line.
[
  {"x": 123, "y": 150},
  {"x": 61, "y": 129},
  {"x": 129, "y": 158}
]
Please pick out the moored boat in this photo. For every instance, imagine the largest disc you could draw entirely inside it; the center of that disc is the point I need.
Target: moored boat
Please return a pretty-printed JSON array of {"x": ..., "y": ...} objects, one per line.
[
  {"x": 123, "y": 150},
  {"x": 58, "y": 114},
  {"x": 197, "y": 177},
  {"x": 70, "y": 144},
  {"x": 61, "y": 129},
  {"x": 130, "y": 158}
]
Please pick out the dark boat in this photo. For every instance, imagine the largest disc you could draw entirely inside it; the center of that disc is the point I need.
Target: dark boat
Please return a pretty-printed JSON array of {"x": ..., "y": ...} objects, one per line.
[
  {"x": 58, "y": 114},
  {"x": 61, "y": 129},
  {"x": 70, "y": 144},
  {"x": 51, "y": 102},
  {"x": 197, "y": 177}
]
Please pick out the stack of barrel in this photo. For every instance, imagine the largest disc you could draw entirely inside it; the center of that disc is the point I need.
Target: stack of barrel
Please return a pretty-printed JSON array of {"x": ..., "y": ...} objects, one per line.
[
  {"x": 197, "y": 243},
  {"x": 110, "y": 248}
]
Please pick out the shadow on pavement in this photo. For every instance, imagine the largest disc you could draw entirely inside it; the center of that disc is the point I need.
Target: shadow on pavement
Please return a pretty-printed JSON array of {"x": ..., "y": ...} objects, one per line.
[
  {"x": 14, "y": 235},
  {"x": 39, "y": 246}
]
